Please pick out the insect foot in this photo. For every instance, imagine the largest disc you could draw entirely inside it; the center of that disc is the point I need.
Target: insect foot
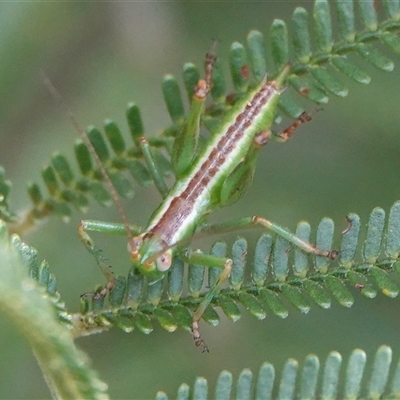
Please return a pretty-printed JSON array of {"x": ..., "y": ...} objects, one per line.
[
  {"x": 101, "y": 292},
  {"x": 214, "y": 290},
  {"x": 287, "y": 133},
  {"x": 198, "y": 341},
  {"x": 333, "y": 254}
]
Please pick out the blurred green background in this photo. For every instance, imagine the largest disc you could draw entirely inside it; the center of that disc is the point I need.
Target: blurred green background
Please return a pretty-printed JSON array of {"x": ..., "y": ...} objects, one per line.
[{"x": 102, "y": 55}]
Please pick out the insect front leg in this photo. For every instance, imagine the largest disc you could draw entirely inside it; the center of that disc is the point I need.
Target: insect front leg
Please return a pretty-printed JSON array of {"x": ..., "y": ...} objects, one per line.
[
  {"x": 211, "y": 261},
  {"x": 105, "y": 267}
]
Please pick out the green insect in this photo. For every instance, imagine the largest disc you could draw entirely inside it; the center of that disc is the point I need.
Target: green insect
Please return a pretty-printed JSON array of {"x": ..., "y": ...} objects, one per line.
[{"x": 206, "y": 180}]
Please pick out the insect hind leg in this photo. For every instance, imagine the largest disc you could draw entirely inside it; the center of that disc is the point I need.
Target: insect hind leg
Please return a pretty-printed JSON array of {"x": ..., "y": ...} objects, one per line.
[
  {"x": 252, "y": 222},
  {"x": 307, "y": 247}
]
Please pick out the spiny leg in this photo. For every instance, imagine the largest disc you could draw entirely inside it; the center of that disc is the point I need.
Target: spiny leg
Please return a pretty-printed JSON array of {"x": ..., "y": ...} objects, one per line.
[
  {"x": 209, "y": 63},
  {"x": 105, "y": 267},
  {"x": 211, "y": 261},
  {"x": 288, "y": 132},
  {"x": 251, "y": 222},
  {"x": 283, "y": 136}
]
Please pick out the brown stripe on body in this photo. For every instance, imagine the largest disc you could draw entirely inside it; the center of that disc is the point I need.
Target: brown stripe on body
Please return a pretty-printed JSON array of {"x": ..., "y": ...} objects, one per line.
[{"x": 182, "y": 205}]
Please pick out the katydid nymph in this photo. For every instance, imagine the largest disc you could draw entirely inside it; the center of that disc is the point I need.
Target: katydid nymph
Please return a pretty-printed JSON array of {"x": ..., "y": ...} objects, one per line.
[{"x": 214, "y": 177}]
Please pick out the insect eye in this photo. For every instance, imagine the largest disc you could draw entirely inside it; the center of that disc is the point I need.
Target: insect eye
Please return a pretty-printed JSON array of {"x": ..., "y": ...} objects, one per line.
[{"x": 164, "y": 262}]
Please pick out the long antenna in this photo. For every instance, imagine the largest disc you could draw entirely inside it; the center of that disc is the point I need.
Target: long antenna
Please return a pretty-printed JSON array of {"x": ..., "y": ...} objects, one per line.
[{"x": 54, "y": 92}]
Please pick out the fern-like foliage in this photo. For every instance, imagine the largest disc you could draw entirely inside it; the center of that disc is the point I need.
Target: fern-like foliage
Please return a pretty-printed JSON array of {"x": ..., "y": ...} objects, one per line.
[
  {"x": 264, "y": 282},
  {"x": 379, "y": 254},
  {"x": 28, "y": 297},
  {"x": 260, "y": 283},
  {"x": 310, "y": 381},
  {"x": 274, "y": 274},
  {"x": 316, "y": 73}
]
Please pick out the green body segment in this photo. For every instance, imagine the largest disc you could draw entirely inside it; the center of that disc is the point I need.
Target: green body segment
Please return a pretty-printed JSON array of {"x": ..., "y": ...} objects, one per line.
[{"x": 211, "y": 177}]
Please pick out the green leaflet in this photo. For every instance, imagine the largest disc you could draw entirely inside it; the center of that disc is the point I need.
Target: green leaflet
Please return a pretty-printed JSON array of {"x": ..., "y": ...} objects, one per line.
[
  {"x": 307, "y": 380},
  {"x": 275, "y": 273},
  {"x": 311, "y": 76}
]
